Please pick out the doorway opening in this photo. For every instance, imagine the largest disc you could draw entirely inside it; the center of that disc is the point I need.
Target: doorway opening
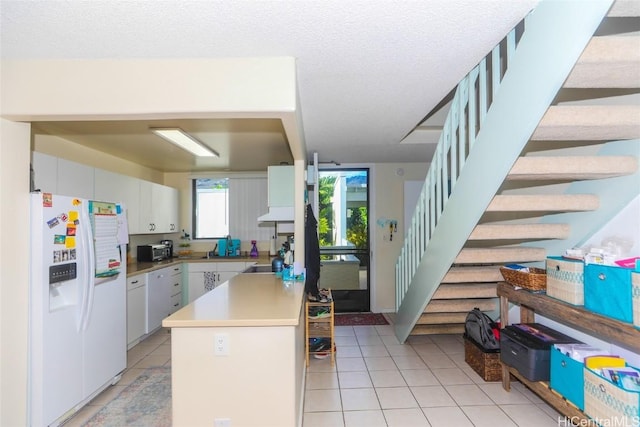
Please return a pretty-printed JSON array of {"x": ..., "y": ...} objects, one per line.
[{"x": 343, "y": 232}]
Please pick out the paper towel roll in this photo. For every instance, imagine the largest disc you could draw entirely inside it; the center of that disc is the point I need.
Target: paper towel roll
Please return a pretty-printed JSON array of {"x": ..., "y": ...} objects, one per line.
[{"x": 272, "y": 246}]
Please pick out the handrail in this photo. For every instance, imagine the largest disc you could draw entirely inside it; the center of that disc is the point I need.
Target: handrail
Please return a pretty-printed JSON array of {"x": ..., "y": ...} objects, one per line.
[{"x": 471, "y": 101}]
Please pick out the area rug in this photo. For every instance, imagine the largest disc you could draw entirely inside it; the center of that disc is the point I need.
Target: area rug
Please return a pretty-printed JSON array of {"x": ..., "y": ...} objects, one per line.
[
  {"x": 359, "y": 319},
  {"x": 145, "y": 402}
]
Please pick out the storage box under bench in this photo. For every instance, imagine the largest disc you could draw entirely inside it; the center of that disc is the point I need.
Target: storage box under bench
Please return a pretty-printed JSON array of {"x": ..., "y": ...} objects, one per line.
[{"x": 485, "y": 363}]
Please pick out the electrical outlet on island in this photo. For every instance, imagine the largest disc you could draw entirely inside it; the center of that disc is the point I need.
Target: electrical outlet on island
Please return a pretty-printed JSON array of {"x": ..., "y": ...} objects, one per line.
[{"x": 222, "y": 422}]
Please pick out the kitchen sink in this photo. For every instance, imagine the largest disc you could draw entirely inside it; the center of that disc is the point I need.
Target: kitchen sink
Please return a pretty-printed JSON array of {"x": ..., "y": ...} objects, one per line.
[{"x": 259, "y": 268}]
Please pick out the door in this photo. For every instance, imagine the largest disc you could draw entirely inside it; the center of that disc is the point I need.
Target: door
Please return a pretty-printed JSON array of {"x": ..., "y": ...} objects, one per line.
[{"x": 343, "y": 231}]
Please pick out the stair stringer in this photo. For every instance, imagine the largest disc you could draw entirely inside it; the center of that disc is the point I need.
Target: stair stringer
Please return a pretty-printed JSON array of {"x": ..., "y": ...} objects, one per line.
[
  {"x": 544, "y": 58},
  {"x": 614, "y": 194}
]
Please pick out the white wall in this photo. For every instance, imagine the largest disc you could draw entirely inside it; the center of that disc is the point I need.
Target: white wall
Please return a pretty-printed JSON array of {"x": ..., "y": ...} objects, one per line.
[
  {"x": 387, "y": 203},
  {"x": 14, "y": 268},
  {"x": 625, "y": 226}
]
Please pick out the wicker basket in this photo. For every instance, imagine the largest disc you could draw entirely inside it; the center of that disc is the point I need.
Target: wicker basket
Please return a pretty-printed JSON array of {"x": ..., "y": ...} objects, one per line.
[
  {"x": 534, "y": 280},
  {"x": 485, "y": 363}
]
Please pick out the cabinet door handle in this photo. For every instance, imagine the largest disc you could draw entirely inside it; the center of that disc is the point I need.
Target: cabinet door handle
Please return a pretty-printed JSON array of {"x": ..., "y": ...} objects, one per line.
[
  {"x": 134, "y": 282},
  {"x": 176, "y": 304}
]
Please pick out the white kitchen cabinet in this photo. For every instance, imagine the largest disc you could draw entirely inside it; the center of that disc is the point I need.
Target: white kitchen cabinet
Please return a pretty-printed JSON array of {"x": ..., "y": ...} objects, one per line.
[
  {"x": 158, "y": 208},
  {"x": 45, "y": 168},
  {"x": 165, "y": 200},
  {"x": 75, "y": 179},
  {"x": 212, "y": 273},
  {"x": 146, "y": 215},
  {"x": 115, "y": 187},
  {"x": 281, "y": 186},
  {"x": 136, "y": 308},
  {"x": 163, "y": 286},
  {"x": 62, "y": 177}
]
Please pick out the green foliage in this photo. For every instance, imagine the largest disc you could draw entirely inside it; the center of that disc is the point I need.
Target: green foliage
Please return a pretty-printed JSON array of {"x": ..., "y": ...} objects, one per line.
[
  {"x": 357, "y": 227},
  {"x": 325, "y": 216}
]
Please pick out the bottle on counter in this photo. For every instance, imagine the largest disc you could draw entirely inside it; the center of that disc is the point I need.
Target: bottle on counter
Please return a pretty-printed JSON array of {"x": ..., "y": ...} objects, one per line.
[{"x": 254, "y": 250}]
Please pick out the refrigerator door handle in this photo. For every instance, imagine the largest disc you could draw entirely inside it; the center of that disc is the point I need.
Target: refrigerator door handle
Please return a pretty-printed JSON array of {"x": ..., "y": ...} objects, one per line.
[{"x": 89, "y": 268}]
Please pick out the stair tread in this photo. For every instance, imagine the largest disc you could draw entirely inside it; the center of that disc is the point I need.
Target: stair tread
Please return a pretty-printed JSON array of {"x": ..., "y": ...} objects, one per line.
[
  {"x": 440, "y": 318},
  {"x": 461, "y": 305},
  {"x": 465, "y": 290},
  {"x": 621, "y": 8},
  {"x": 589, "y": 123},
  {"x": 500, "y": 255},
  {"x": 520, "y": 231},
  {"x": 607, "y": 62},
  {"x": 544, "y": 202},
  {"x": 438, "y": 329},
  {"x": 463, "y": 274},
  {"x": 572, "y": 167}
]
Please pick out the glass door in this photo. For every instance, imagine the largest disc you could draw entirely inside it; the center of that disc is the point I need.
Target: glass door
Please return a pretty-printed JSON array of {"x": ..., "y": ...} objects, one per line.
[{"x": 343, "y": 228}]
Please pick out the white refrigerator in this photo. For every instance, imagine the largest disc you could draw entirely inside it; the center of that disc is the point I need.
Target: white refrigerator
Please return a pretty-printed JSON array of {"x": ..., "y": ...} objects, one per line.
[{"x": 77, "y": 329}]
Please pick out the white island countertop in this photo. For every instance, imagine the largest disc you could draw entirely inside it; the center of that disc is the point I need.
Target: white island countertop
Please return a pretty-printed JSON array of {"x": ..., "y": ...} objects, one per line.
[{"x": 245, "y": 300}]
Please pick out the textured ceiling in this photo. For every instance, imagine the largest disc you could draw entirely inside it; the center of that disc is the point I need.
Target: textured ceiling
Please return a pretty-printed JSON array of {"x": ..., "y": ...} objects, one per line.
[{"x": 368, "y": 71}]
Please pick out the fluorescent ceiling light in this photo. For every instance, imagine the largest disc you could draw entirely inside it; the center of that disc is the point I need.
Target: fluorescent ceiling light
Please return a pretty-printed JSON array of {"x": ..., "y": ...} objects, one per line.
[{"x": 185, "y": 141}]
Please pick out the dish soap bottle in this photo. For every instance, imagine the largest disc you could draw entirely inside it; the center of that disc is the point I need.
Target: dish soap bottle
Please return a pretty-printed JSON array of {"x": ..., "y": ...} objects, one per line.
[{"x": 254, "y": 249}]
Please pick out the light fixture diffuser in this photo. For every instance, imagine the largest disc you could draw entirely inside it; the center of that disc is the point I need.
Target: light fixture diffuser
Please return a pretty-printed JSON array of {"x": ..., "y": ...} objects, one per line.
[{"x": 185, "y": 141}]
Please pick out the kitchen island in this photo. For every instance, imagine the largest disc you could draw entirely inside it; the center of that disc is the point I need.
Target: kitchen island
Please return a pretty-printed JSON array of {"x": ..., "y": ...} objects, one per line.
[{"x": 237, "y": 355}]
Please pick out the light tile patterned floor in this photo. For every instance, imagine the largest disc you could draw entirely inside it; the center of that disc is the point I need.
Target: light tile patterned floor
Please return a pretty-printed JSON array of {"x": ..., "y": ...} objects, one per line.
[{"x": 377, "y": 381}]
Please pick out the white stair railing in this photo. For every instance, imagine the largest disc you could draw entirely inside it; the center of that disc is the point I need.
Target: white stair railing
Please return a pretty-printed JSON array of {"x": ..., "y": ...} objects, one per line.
[{"x": 471, "y": 101}]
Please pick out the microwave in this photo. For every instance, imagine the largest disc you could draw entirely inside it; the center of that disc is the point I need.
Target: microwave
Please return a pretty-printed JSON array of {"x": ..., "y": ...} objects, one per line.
[{"x": 151, "y": 253}]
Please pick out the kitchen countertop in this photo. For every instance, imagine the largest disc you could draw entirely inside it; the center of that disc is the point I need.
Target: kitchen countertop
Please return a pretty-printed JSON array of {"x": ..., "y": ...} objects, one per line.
[
  {"x": 244, "y": 300},
  {"x": 145, "y": 267}
]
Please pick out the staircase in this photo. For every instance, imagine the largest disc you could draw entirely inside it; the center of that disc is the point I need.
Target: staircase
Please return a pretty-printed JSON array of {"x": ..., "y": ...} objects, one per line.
[{"x": 540, "y": 149}]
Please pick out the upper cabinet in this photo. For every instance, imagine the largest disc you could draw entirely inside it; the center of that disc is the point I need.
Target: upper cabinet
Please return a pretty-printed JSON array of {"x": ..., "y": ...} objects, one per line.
[
  {"x": 75, "y": 179},
  {"x": 150, "y": 207},
  {"x": 45, "y": 172},
  {"x": 63, "y": 177},
  {"x": 281, "y": 186},
  {"x": 158, "y": 208}
]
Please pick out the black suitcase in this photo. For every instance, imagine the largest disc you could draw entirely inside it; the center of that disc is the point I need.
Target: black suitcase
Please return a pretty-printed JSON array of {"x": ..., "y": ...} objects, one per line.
[{"x": 526, "y": 347}]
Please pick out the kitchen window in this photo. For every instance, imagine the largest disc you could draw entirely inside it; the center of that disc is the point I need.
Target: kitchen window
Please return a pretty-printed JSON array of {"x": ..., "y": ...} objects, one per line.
[
  {"x": 230, "y": 205},
  {"x": 210, "y": 208}
]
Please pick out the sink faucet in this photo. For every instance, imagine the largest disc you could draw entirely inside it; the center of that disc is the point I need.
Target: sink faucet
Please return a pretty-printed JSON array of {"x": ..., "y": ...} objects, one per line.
[{"x": 229, "y": 243}]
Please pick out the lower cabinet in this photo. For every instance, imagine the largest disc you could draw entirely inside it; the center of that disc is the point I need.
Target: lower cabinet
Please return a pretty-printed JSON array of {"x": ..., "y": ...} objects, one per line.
[
  {"x": 136, "y": 308},
  {"x": 205, "y": 276},
  {"x": 164, "y": 295}
]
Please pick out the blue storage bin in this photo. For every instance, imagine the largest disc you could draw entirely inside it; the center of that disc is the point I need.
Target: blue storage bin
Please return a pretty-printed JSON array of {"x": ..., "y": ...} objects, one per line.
[
  {"x": 607, "y": 291},
  {"x": 567, "y": 377}
]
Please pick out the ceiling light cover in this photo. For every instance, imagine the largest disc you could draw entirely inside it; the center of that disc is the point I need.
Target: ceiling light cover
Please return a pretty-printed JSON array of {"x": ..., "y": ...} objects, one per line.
[{"x": 185, "y": 141}]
